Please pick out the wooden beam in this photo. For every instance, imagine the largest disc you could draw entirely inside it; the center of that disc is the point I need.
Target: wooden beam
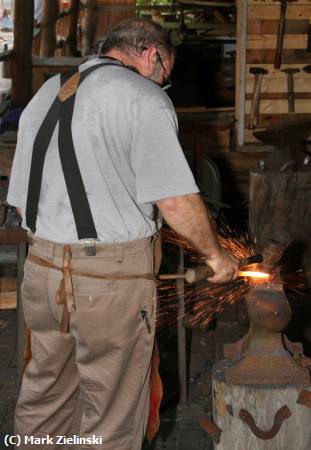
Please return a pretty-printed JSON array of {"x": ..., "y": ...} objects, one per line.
[
  {"x": 87, "y": 26},
  {"x": 48, "y": 22},
  {"x": 268, "y": 41},
  {"x": 259, "y": 26},
  {"x": 266, "y": 56},
  {"x": 272, "y": 12},
  {"x": 21, "y": 63},
  {"x": 240, "y": 78},
  {"x": 71, "y": 41}
]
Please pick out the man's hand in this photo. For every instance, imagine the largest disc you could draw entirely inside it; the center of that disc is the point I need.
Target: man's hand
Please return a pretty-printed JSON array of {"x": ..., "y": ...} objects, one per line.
[
  {"x": 188, "y": 216},
  {"x": 224, "y": 265}
]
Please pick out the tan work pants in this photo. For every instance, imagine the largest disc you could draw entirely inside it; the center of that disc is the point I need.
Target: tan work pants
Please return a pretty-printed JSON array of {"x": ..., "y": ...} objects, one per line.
[{"x": 94, "y": 380}]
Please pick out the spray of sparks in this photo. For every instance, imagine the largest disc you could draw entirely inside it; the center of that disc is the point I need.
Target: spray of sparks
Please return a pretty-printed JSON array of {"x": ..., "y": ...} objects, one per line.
[{"x": 199, "y": 303}]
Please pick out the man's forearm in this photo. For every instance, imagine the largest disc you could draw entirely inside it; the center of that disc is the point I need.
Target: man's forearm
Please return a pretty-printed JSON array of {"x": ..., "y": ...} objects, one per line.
[{"x": 188, "y": 216}]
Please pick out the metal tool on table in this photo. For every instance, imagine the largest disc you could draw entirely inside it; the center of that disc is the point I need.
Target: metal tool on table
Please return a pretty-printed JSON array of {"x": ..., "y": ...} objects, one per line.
[
  {"x": 281, "y": 31},
  {"x": 259, "y": 72},
  {"x": 202, "y": 272},
  {"x": 290, "y": 71}
]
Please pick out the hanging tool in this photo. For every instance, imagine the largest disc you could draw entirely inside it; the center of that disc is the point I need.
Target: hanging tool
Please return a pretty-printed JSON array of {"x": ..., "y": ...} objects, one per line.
[
  {"x": 307, "y": 68},
  {"x": 202, "y": 272},
  {"x": 259, "y": 72},
  {"x": 309, "y": 36},
  {"x": 281, "y": 31},
  {"x": 290, "y": 71}
]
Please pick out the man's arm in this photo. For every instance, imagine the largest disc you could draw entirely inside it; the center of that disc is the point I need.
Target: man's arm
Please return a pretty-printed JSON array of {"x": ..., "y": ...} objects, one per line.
[{"x": 188, "y": 216}]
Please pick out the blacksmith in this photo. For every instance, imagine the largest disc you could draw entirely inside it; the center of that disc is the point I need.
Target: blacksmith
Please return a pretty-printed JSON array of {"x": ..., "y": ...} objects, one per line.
[{"x": 97, "y": 151}]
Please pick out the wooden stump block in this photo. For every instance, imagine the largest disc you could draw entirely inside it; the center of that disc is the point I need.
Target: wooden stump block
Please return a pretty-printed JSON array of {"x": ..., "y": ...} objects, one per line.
[{"x": 263, "y": 404}]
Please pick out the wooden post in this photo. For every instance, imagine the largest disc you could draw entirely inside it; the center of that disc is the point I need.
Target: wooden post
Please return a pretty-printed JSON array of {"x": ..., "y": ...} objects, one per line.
[
  {"x": 48, "y": 21},
  {"x": 71, "y": 45},
  {"x": 21, "y": 255},
  {"x": 21, "y": 63},
  {"x": 87, "y": 26},
  {"x": 181, "y": 335},
  {"x": 240, "y": 69}
]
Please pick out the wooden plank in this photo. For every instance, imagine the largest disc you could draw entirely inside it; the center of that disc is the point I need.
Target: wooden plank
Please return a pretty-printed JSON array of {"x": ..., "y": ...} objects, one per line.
[
  {"x": 259, "y": 26},
  {"x": 202, "y": 109},
  {"x": 8, "y": 300},
  {"x": 268, "y": 41},
  {"x": 266, "y": 120},
  {"x": 288, "y": 56},
  {"x": 207, "y": 3},
  {"x": 279, "y": 106},
  {"x": 302, "y": 86},
  {"x": 280, "y": 96},
  {"x": 275, "y": 2},
  {"x": 267, "y": 11},
  {"x": 109, "y": 12},
  {"x": 13, "y": 236}
]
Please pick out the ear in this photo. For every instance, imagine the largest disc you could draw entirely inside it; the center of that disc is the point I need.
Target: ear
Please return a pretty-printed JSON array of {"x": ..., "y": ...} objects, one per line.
[{"x": 149, "y": 57}]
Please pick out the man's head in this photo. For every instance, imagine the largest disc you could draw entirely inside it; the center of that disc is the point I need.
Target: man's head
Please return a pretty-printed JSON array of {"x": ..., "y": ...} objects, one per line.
[{"x": 144, "y": 44}]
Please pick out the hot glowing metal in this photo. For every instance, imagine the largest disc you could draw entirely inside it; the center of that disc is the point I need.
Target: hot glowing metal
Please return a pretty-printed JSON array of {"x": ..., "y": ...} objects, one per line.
[{"x": 253, "y": 274}]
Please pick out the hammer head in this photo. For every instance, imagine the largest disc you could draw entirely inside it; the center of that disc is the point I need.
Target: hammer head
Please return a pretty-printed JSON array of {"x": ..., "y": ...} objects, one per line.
[
  {"x": 258, "y": 70},
  {"x": 290, "y": 70},
  {"x": 307, "y": 68}
]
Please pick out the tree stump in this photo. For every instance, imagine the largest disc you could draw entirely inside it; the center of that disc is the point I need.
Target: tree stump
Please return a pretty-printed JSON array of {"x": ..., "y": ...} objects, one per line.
[{"x": 281, "y": 415}]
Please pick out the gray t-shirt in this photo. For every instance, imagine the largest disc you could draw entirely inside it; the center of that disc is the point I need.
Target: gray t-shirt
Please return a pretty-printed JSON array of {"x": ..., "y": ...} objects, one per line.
[{"x": 124, "y": 132}]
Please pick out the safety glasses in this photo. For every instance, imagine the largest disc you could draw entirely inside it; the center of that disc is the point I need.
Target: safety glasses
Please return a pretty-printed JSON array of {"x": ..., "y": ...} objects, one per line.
[{"x": 167, "y": 81}]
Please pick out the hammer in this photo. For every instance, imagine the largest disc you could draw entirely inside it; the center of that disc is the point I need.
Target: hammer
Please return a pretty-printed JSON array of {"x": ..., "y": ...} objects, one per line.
[
  {"x": 290, "y": 87},
  {"x": 202, "y": 272},
  {"x": 259, "y": 72},
  {"x": 279, "y": 44},
  {"x": 307, "y": 68}
]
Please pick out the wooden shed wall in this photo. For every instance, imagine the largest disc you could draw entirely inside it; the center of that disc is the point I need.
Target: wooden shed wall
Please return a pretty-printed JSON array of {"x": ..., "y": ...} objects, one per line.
[
  {"x": 260, "y": 45},
  {"x": 109, "y": 12}
]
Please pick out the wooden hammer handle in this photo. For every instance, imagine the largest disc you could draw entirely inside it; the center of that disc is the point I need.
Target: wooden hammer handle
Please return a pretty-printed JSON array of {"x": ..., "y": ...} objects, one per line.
[
  {"x": 202, "y": 272},
  {"x": 280, "y": 38}
]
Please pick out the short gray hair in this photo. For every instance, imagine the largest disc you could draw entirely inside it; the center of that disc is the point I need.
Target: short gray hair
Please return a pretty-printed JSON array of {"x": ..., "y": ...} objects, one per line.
[{"x": 135, "y": 35}]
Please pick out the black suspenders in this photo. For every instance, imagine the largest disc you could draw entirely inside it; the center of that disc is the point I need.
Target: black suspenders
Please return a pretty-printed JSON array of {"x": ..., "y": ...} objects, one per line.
[{"x": 62, "y": 111}]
